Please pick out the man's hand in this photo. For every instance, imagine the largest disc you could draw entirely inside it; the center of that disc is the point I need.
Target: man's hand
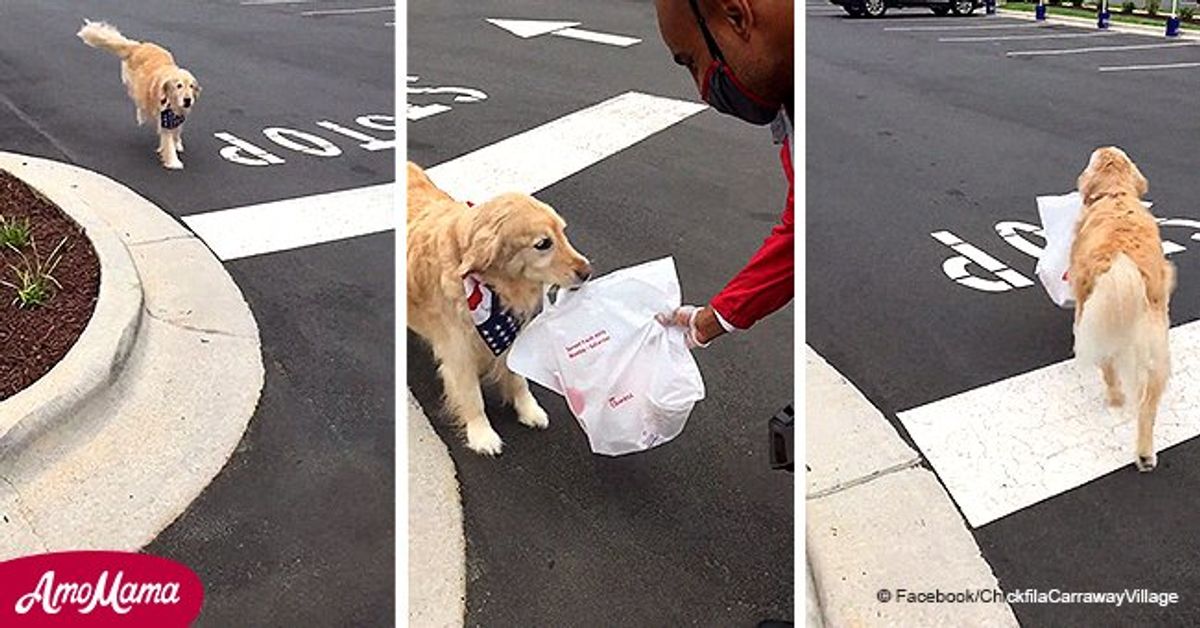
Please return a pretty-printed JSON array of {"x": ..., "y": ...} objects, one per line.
[{"x": 701, "y": 323}]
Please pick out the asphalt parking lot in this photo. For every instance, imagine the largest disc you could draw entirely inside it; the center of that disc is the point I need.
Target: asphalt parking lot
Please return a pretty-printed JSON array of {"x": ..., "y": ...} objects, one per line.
[
  {"x": 698, "y": 531},
  {"x": 299, "y": 526},
  {"x": 919, "y": 127}
]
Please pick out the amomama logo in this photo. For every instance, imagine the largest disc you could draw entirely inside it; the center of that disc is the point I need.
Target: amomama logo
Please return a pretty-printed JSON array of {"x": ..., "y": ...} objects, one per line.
[{"x": 98, "y": 589}]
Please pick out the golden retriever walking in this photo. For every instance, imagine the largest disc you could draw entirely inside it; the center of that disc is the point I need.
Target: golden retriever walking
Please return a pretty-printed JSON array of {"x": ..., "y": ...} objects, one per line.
[
  {"x": 490, "y": 261},
  {"x": 1122, "y": 283},
  {"x": 160, "y": 90}
]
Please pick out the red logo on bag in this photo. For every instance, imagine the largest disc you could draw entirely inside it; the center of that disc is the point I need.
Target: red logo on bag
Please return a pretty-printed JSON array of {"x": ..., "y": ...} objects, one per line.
[{"x": 98, "y": 589}]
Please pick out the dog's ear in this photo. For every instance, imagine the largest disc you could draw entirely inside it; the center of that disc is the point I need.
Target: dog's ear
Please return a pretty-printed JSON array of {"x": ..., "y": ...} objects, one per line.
[
  {"x": 1139, "y": 182},
  {"x": 164, "y": 90},
  {"x": 482, "y": 246}
]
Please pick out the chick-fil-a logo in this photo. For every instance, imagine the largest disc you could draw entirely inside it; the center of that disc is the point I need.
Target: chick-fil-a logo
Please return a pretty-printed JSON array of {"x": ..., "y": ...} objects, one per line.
[{"x": 98, "y": 589}]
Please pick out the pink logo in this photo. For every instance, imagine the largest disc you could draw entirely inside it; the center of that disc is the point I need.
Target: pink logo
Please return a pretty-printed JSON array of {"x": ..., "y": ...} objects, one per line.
[{"x": 98, "y": 589}]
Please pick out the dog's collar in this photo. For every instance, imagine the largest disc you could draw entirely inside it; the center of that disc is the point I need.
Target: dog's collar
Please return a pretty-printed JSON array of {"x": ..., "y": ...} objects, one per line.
[
  {"x": 1095, "y": 197},
  {"x": 496, "y": 325},
  {"x": 169, "y": 119}
]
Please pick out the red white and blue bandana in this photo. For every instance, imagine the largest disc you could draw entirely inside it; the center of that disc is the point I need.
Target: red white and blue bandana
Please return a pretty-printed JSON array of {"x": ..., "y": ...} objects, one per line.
[
  {"x": 496, "y": 325},
  {"x": 169, "y": 119}
]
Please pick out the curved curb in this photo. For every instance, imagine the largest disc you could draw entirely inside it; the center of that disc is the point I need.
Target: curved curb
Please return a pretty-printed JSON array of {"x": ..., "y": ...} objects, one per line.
[
  {"x": 94, "y": 362},
  {"x": 114, "y": 457},
  {"x": 437, "y": 585}
]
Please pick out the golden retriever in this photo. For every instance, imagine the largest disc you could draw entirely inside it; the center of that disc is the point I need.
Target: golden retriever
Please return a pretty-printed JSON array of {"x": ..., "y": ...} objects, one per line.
[
  {"x": 159, "y": 89},
  {"x": 514, "y": 245},
  {"x": 1122, "y": 283}
]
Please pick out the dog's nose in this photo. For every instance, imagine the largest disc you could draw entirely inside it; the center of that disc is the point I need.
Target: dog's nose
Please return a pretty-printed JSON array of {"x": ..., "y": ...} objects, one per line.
[
  {"x": 187, "y": 102},
  {"x": 584, "y": 273}
]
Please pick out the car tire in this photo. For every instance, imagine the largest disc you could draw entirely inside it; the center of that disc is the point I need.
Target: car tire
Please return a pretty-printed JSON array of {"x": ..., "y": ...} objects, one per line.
[
  {"x": 940, "y": 11},
  {"x": 963, "y": 7},
  {"x": 874, "y": 8}
]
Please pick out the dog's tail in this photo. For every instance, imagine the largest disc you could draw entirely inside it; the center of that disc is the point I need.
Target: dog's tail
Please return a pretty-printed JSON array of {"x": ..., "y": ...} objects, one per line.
[{"x": 106, "y": 37}]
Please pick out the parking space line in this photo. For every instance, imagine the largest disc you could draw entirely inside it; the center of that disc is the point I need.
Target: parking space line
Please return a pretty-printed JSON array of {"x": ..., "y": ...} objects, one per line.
[
  {"x": 347, "y": 11},
  {"x": 538, "y": 158},
  {"x": 964, "y": 40},
  {"x": 1163, "y": 66},
  {"x": 293, "y": 223},
  {"x": 1074, "y": 51},
  {"x": 984, "y": 27},
  {"x": 1011, "y": 444}
]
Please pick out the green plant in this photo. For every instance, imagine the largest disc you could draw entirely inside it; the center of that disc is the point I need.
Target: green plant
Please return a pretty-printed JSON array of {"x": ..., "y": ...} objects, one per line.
[
  {"x": 1078, "y": 4},
  {"x": 1187, "y": 13},
  {"x": 35, "y": 278},
  {"x": 1152, "y": 7},
  {"x": 1127, "y": 8},
  {"x": 14, "y": 232}
]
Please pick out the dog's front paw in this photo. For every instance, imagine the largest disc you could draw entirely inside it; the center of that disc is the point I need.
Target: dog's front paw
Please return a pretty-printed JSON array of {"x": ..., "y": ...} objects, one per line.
[
  {"x": 1146, "y": 464},
  {"x": 173, "y": 165},
  {"x": 531, "y": 414},
  {"x": 482, "y": 439}
]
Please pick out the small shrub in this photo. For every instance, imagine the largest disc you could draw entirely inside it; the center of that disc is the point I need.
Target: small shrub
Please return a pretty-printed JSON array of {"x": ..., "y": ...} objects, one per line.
[
  {"x": 14, "y": 233},
  {"x": 1078, "y": 4},
  {"x": 34, "y": 279},
  {"x": 1187, "y": 13},
  {"x": 1127, "y": 8},
  {"x": 1054, "y": 3},
  {"x": 1152, "y": 7}
]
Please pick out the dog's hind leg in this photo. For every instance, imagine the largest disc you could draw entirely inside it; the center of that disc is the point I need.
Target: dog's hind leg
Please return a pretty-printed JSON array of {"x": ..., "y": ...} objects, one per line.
[
  {"x": 1116, "y": 398},
  {"x": 1147, "y": 410},
  {"x": 178, "y": 136},
  {"x": 464, "y": 400},
  {"x": 516, "y": 391}
]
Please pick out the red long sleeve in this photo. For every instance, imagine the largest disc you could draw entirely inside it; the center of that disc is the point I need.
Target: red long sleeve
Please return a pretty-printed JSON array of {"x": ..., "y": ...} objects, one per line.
[{"x": 766, "y": 283}]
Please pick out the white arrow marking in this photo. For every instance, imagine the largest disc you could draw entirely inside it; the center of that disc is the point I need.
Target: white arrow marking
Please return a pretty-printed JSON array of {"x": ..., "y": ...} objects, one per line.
[
  {"x": 526, "y": 29},
  {"x": 600, "y": 38}
]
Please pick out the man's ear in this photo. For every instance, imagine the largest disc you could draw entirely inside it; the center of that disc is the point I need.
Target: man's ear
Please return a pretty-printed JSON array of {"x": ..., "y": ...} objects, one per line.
[{"x": 738, "y": 14}]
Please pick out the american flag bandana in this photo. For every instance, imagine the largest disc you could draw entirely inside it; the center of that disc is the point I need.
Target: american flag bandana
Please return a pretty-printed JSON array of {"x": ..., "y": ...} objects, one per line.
[
  {"x": 169, "y": 119},
  {"x": 496, "y": 325}
]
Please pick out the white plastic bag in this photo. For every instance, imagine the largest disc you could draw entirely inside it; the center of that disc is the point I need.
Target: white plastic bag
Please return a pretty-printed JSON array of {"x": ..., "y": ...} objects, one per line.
[
  {"x": 1059, "y": 215},
  {"x": 630, "y": 381}
]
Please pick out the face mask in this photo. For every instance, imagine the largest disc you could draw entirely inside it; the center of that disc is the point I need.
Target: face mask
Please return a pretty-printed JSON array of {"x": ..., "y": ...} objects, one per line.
[{"x": 721, "y": 89}]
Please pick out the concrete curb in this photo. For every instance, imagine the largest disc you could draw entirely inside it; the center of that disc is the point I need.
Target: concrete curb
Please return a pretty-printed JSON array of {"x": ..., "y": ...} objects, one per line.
[
  {"x": 1130, "y": 29},
  {"x": 437, "y": 587},
  {"x": 95, "y": 361},
  {"x": 167, "y": 399},
  {"x": 879, "y": 522}
]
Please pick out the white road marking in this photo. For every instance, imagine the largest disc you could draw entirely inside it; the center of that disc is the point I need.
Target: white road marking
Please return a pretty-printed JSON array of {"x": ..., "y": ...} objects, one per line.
[
  {"x": 540, "y": 157},
  {"x": 251, "y": 3},
  {"x": 599, "y": 38},
  {"x": 281, "y": 225},
  {"x": 526, "y": 162},
  {"x": 346, "y": 11},
  {"x": 530, "y": 28},
  {"x": 1075, "y": 51},
  {"x": 526, "y": 29},
  {"x": 964, "y": 40},
  {"x": 983, "y": 27},
  {"x": 1164, "y": 66},
  {"x": 1008, "y": 445}
]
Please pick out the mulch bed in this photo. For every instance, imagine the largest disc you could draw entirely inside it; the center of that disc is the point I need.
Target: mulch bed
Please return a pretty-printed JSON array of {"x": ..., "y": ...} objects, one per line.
[{"x": 33, "y": 340}]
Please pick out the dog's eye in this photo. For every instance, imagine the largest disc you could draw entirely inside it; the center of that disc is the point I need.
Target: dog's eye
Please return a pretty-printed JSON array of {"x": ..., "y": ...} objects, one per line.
[
  {"x": 179, "y": 86},
  {"x": 544, "y": 244}
]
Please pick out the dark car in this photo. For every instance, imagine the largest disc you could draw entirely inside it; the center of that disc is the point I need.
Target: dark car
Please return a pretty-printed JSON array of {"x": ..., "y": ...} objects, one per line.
[{"x": 876, "y": 8}]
